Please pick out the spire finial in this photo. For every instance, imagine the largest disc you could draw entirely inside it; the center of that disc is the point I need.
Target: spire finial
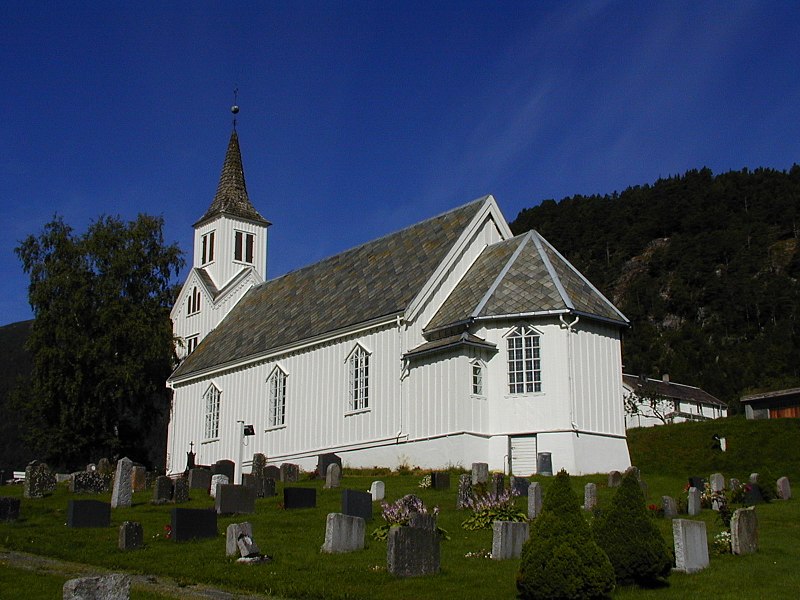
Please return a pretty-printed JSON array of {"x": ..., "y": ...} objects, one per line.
[{"x": 235, "y": 107}]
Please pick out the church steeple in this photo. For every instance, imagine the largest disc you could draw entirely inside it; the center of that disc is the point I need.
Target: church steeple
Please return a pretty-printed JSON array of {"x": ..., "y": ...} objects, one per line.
[{"x": 231, "y": 197}]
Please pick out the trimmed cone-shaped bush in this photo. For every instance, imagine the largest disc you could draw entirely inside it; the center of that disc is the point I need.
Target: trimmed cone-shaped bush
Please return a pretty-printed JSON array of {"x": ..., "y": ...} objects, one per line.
[
  {"x": 561, "y": 560},
  {"x": 631, "y": 540}
]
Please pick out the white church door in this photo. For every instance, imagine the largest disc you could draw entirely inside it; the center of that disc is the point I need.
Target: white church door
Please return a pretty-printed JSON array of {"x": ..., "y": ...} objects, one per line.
[{"x": 523, "y": 455}]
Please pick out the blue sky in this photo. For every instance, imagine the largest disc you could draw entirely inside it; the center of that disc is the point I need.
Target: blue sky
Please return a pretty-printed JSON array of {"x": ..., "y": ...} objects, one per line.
[{"x": 359, "y": 118}]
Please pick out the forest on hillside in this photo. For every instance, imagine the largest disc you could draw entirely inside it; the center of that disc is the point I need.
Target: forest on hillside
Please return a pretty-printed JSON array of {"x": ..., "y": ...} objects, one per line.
[{"x": 706, "y": 268}]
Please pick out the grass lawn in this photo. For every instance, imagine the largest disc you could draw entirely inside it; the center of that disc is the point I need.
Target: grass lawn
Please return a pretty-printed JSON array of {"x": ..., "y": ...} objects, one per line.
[{"x": 299, "y": 570}]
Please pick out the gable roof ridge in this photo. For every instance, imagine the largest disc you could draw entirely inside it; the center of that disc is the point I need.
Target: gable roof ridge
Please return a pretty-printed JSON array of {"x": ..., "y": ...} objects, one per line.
[
  {"x": 579, "y": 274},
  {"x": 537, "y": 240},
  {"x": 501, "y": 275}
]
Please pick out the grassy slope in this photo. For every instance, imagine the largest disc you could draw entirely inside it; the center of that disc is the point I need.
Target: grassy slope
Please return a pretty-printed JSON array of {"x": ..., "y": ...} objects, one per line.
[{"x": 300, "y": 571}]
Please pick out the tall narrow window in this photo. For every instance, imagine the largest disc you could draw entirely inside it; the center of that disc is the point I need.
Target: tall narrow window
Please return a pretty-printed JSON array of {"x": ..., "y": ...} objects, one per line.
[
  {"x": 524, "y": 361},
  {"x": 194, "y": 301},
  {"x": 359, "y": 379},
  {"x": 191, "y": 344},
  {"x": 477, "y": 378},
  {"x": 211, "y": 398},
  {"x": 277, "y": 398},
  {"x": 207, "y": 253},
  {"x": 243, "y": 247}
]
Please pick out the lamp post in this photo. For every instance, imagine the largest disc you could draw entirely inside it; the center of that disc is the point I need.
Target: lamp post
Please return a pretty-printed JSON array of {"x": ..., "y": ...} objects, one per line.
[{"x": 244, "y": 431}]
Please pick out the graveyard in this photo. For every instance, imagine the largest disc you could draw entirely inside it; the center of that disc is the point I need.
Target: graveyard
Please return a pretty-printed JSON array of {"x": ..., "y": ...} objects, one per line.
[{"x": 301, "y": 557}]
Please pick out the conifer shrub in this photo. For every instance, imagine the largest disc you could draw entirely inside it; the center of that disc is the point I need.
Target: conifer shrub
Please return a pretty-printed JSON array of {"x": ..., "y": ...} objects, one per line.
[
  {"x": 561, "y": 560},
  {"x": 631, "y": 540}
]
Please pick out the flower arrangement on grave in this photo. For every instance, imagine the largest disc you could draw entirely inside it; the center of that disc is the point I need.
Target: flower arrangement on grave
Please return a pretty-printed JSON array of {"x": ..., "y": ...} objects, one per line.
[
  {"x": 655, "y": 511},
  {"x": 398, "y": 514},
  {"x": 426, "y": 481},
  {"x": 722, "y": 542},
  {"x": 488, "y": 507}
]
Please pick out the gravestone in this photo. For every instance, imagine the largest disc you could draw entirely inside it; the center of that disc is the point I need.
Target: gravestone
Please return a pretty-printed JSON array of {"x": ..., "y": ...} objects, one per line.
[
  {"x": 343, "y": 533},
  {"x": 104, "y": 467},
  {"x": 717, "y": 482},
  {"x": 60, "y": 477},
  {"x": 269, "y": 488},
  {"x": 326, "y": 460},
  {"x": 239, "y": 540},
  {"x": 216, "y": 481},
  {"x": 333, "y": 476},
  {"x": 224, "y": 467},
  {"x": 753, "y": 477},
  {"x": 412, "y": 552},
  {"x": 784, "y": 489},
  {"x": 440, "y": 480},
  {"x": 378, "y": 491},
  {"x": 259, "y": 476},
  {"x": 614, "y": 479},
  {"x": 162, "y": 490},
  {"x": 643, "y": 487},
  {"x": 9, "y": 508},
  {"x": 123, "y": 486},
  {"x": 694, "y": 506},
  {"x": 534, "y": 500},
  {"x": 519, "y": 485},
  {"x": 635, "y": 470},
  {"x": 422, "y": 521},
  {"x": 480, "y": 473},
  {"x": 272, "y": 472},
  {"x": 84, "y": 482},
  {"x": 497, "y": 484},
  {"x": 297, "y": 497},
  {"x": 180, "y": 490},
  {"x": 733, "y": 484},
  {"x": 697, "y": 482},
  {"x": 290, "y": 473},
  {"x": 752, "y": 494},
  {"x": 88, "y": 513},
  {"x": 544, "y": 463},
  {"x": 744, "y": 531},
  {"x": 139, "y": 478},
  {"x": 199, "y": 479},
  {"x": 507, "y": 539},
  {"x": 39, "y": 480},
  {"x": 248, "y": 480},
  {"x": 669, "y": 506},
  {"x": 235, "y": 499},
  {"x": 102, "y": 587},
  {"x": 464, "y": 494},
  {"x": 589, "y": 496},
  {"x": 131, "y": 535},
  {"x": 357, "y": 504},
  {"x": 691, "y": 545},
  {"x": 193, "y": 523}
]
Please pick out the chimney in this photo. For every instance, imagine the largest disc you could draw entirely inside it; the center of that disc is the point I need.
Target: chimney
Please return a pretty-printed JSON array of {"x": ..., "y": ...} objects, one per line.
[{"x": 665, "y": 378}]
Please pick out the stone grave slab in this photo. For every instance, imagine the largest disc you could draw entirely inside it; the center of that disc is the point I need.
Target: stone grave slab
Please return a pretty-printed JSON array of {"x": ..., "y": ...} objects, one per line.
[
  {"x": 464, "y": 494},
  {"x": 752, "y": 494},
  {"x": 216, "y": 481},
  {"x": 440, "y": 480},
  {"x": 224, "y": 467},
  {"x": 199, "y": 479},
  {"x": 268, "y": 488},
  {"x": 691, "y": 545},
  {"x": 753, "y": 478},
  {"x": 333, "y": 476},
  {"x": 343, "y": 533},
  {"x": 326, "y": 460},
  {"x": 669, "y": 506},
  {"x": 162, "y": 490},
  {"x": 131, "y": 535},
  {"x": 235, "y": 499},
  {"x": 784, "y": 489},
  {"x": 519, "y": 485},
  {"x": 272, "y": 472},
  {"x": 420, "y": 520},
  {"x": 614, "y": 479},
  {"x": 744, "y": 531},
  {"x": 697, "y": 482},
  {"x": 357, "y": 504},
  {"x": 39, "y": 480},
  {"x": 290, "y": 473},
  {"x": 104, "y": 467},
  {"x": 180, "y": 490},
  {"x": 232, "y": 535},
  {"x": 122, "y": 493},
  {"x": 377, "y": 490},
  {"x": 106, "y": 587},
  {"x": 193, "y": 523},
  {"x": 717, "y": 482},
  {"x": 9, "y": 508},
  {"x": 412, "y": 552},
  {"x": 88, "y": 513},
  {"x": 84, "y": 482},
  {"x": 694, "y": 505},
  {"x": 534, "y": 500},
  {"x": 497, "y": 484},
  {"x": 249, "y": 480},
  {"x": 139, "y": 478},
  {"x": 507, "y": 539},
  {"x": 589, "y": 496},
  {"x": 635, "y": 470},
  {"x": 297, "y": 497},
  {"x": 480, "y": 473}
]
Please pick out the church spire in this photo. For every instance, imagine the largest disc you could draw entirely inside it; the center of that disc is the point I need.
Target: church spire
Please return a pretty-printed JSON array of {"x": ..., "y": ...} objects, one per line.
[{"x": 231, "y": 197}]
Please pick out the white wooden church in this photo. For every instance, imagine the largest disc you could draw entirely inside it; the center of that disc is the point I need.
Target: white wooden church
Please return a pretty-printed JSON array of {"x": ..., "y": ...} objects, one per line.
[{"x": 446, "y": 343}]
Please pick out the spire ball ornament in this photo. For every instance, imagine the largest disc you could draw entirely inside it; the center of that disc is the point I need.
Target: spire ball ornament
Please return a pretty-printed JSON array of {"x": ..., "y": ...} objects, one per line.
[{"x": 235, "y": 109}]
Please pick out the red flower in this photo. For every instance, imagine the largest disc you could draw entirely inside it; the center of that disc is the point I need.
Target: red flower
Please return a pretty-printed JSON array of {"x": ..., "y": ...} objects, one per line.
[{"x": 168, "y": 531}]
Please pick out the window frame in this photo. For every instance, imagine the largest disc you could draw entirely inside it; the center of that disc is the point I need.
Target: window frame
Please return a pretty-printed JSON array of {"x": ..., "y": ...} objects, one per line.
[
  {"x": 193, "y": 304},
  {"x": 523, "y": 378},
  {"x": 207, "y": 248},
  {"x": 191, "y": 343},
  {"x": 276, "y": 398},
  {"x": 358, "y": 368},
  {"x": 244, "y": 244},
  {"x": 212, "y": 399},
  {"x": 477, "y": 387}
]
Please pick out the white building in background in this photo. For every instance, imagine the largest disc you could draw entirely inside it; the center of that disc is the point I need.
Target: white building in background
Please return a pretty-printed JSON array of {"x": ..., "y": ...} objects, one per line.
[
  {"x": 446, "y": 343},
  {"x": 651, "y": 402}
]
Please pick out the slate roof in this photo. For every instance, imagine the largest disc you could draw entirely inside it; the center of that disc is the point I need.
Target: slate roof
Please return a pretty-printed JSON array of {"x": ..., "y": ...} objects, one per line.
[
  {"x": 673, "y": 391},
  {"x": 377, "y": 279},
  {"x": 453, "y": 341},
  {"x": 522, "y": 275},
  {"x": 231, "y": 197}
]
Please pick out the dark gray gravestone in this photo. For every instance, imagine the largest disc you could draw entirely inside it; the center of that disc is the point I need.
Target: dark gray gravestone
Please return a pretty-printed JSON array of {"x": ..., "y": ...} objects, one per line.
[
  {"x": 180, "y": 490},
  {"x": 272, "y": 472},
  {"x": 162, "y": 490},
  {"x": 544, "y": 463},
  {"x": 357, "y": 504},
  {"x": 290, "y": 473},
  {"x": 193, "y": 523},
  {"x": 297, "y": 497},
  {"x": 257, "y": 471},
  {"x": 115, "y": 586},
  {"x": 235, "y": 499},
  {"x": 412, "y": 552},
  {"x": 84, "y": 482},
  {"x": 440, "y": 481},
  {"x": 268, "y": 488},
  {"x": 131, "y": 535},
  {"x": 9, "y": 509},
  {"x": 224, "y": 467},
  {"x": 614, "y": 479},
  {"x": 325, "y": 460},
  {"x": 752, "y": 494},
  {"x": 464, "y": 494},
  {"x": 497, "y": 484},
  {"x": 40, "y": 481},
  {"x": 519, "y": 485},
  {"x": 199, "y": 479},
  {"x": 249, "y": 480},
  {"x": 697, "y": 482},
  {"x": 88, "y": 513},
  {"x": 420, "y": 520}
]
